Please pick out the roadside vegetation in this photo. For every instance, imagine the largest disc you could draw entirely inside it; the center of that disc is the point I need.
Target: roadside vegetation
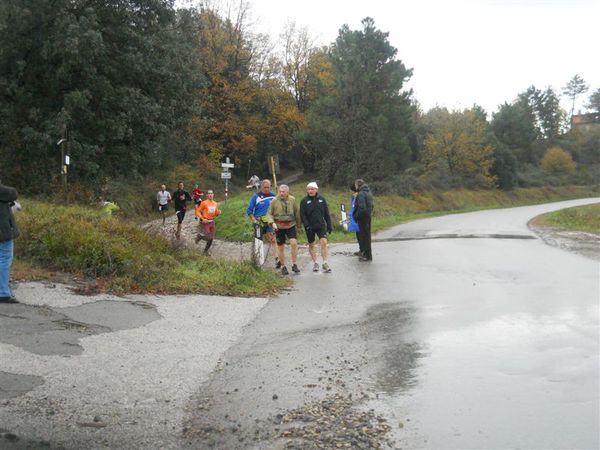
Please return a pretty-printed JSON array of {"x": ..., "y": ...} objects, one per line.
[
  {"x": 120, "y": 257},
  {"x": 581, "y": 218}
]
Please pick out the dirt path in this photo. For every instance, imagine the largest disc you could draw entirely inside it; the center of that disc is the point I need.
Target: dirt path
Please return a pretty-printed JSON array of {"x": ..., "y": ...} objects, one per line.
[
  {"x": 231, "y": 251},
  {"x": 234, "y": 251}
]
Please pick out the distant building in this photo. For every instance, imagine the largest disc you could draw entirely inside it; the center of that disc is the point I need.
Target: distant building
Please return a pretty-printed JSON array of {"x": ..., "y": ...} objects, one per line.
[{"x": 586, "y": 122}]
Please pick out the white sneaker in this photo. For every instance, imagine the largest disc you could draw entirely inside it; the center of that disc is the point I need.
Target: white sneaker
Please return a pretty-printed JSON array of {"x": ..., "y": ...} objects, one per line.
[
  {"x": 326, "y": 268},
  {"x": 315, "y": 267}
]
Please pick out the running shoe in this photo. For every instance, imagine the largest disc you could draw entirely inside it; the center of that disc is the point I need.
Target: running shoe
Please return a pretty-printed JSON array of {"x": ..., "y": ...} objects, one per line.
[
  {"x": 315, "y": 267},
  {"x": 277, "y": 264},
  {"x": 326, "y": 268},
  {"x": 295, "y": 268},
  {"x": 284, "y": 271}
]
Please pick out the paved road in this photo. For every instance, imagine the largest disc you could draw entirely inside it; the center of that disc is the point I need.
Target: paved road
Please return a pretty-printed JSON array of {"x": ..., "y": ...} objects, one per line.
[
  {"x": 465, "y": 332},
  {"x": 486, "y": 338}
]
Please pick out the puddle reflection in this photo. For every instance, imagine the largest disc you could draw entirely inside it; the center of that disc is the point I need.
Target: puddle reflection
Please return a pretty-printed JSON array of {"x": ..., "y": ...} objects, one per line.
[{"x": 395, "y": 359}]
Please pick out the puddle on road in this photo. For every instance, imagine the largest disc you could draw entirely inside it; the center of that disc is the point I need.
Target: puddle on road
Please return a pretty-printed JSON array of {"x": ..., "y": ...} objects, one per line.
[{"x": 394, "y": 357}]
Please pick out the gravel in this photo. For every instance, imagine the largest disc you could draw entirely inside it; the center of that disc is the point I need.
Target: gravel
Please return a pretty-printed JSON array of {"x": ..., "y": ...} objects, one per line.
[{"x": 128, "y": 388}]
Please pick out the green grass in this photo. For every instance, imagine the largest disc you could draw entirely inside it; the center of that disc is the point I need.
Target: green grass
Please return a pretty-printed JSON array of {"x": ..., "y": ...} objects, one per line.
[
  {"x": 581, "y": 218},
  {"x": 392, "y": 210},
  {"x": 125, "y": 258}
]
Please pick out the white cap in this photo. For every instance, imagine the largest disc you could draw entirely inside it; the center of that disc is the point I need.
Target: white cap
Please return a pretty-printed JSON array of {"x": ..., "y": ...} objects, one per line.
[{"x": 312, "y": 184}]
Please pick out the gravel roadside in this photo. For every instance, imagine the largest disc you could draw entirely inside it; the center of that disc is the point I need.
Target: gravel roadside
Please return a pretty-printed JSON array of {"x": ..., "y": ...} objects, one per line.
[{"x": 96, "y": 383}]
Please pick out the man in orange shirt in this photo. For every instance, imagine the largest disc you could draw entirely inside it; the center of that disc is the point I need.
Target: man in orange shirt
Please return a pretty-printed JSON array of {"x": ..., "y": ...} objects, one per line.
[{"x": 206, "y": 213}]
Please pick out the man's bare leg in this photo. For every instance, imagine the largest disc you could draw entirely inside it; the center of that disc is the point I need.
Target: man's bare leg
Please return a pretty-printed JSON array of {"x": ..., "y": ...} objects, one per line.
[
  {"x": 313, "y": 251},
  {"x": 324, "y": 255},
  {"x": 294, "y": 245},
  {"x": 280, "y": 254}
]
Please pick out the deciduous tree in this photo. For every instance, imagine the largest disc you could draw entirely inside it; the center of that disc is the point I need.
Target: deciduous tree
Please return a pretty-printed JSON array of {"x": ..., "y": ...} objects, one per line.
[
  {"x": 457, "y": 149},
  {"x": 558, "y": 161}
]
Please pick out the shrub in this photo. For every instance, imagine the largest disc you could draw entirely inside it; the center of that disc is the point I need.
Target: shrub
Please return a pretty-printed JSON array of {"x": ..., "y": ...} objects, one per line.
[
  {"x": 558, "y": 161},
  {"x": 128, "y": 259}
]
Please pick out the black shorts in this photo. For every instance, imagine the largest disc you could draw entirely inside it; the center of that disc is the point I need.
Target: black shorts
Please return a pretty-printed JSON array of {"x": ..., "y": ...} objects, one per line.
[
  {"x": 281, "y": 234},
  {"x": 164, "y": 207},
  {"x": 180, "y": 216},
  {"x": 311, "y": 233}
]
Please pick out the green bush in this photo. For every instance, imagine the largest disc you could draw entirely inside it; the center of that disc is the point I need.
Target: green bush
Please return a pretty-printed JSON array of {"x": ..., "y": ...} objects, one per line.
[{"x": 558, "y": 161}]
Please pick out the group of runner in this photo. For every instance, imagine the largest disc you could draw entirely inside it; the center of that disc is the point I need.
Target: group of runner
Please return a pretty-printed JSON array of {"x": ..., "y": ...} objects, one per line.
[
  {"x": 280, "y": 217},
  {"x": 206, "y": 210}
]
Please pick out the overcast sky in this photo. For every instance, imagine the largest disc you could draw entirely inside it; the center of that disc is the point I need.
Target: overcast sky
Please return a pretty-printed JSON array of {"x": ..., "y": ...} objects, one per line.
[{"x": 464, "y": 51}]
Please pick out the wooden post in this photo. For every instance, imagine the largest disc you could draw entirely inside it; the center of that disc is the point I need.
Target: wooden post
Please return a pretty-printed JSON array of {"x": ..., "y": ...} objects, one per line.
[{"x": 273, "y": 170}]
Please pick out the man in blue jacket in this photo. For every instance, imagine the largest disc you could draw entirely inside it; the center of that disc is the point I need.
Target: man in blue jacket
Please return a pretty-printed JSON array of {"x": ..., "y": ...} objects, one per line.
[{"x": 257, "y": 212}]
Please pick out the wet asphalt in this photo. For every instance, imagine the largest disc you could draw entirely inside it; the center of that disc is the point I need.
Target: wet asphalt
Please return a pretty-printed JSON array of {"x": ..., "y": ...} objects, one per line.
[{"x": 466, "y": 331}]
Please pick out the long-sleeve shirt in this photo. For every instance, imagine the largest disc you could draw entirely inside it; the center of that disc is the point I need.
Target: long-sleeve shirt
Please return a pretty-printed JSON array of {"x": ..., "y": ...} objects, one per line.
[
  {"x": 181, "y": 198},
  {"x": 285, "y": 213},
  {"x": 259, "y": 204},
  {"x": 208, "y": 210},
  {"x": 315, "y": 213}
]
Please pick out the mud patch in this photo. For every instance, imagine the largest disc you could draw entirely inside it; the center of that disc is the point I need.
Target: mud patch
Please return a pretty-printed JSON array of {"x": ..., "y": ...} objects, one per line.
[
  {"x": 580, "y": 242},
  {"x": 14, "y": 385}
]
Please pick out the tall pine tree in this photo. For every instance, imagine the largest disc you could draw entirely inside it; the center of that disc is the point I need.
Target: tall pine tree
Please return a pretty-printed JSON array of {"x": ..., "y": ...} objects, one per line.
[{"x": 360, "y": 129}]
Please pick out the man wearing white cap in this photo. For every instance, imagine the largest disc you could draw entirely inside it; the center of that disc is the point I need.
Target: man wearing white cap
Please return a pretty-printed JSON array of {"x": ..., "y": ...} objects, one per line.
[{"x": 317, "y": 222}]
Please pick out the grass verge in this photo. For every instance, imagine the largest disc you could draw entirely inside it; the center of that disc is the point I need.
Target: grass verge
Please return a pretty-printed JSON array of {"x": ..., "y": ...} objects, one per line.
[
  {"x": 392, "y": 210},
  {"x": 123, "y": 258},
  {"x": 581, "y": 218}
]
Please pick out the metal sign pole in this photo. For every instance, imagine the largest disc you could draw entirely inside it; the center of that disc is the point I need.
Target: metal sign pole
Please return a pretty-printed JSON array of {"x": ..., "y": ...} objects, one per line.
[{"x": 226, "y": 175}]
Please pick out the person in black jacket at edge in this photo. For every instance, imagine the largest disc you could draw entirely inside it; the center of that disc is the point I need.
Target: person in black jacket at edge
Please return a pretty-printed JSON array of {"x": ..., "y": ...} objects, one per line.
[
  {"x": 363, "y": 210},
  {"x": 317, "y": 222},
  {"x": 8, "y": 232}
]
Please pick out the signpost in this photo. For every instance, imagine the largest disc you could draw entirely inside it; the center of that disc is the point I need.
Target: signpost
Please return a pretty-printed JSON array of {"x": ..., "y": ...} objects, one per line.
[
  {"x": 226, "y": 174},
  {"x": 274, "y": 168},
  {"x": 65, "y": 161}
]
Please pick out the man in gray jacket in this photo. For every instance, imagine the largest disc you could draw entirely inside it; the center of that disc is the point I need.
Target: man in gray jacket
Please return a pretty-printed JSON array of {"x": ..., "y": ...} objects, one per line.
[
  {"x": 363, "y": 210},
  {"x": 8, "y": 232}
]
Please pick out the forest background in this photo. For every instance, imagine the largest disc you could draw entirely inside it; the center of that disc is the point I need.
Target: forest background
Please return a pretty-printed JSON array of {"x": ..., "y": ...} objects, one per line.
[{"x": 147, "y": 91}]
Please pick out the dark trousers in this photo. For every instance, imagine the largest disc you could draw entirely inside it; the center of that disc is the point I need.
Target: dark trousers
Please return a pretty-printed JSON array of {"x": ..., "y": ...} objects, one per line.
[{"x": 364, "y": 236}]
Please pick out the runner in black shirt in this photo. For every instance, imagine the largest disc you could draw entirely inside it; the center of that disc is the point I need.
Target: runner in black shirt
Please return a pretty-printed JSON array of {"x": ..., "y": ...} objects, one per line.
[{"x": 180, "y": 198}]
